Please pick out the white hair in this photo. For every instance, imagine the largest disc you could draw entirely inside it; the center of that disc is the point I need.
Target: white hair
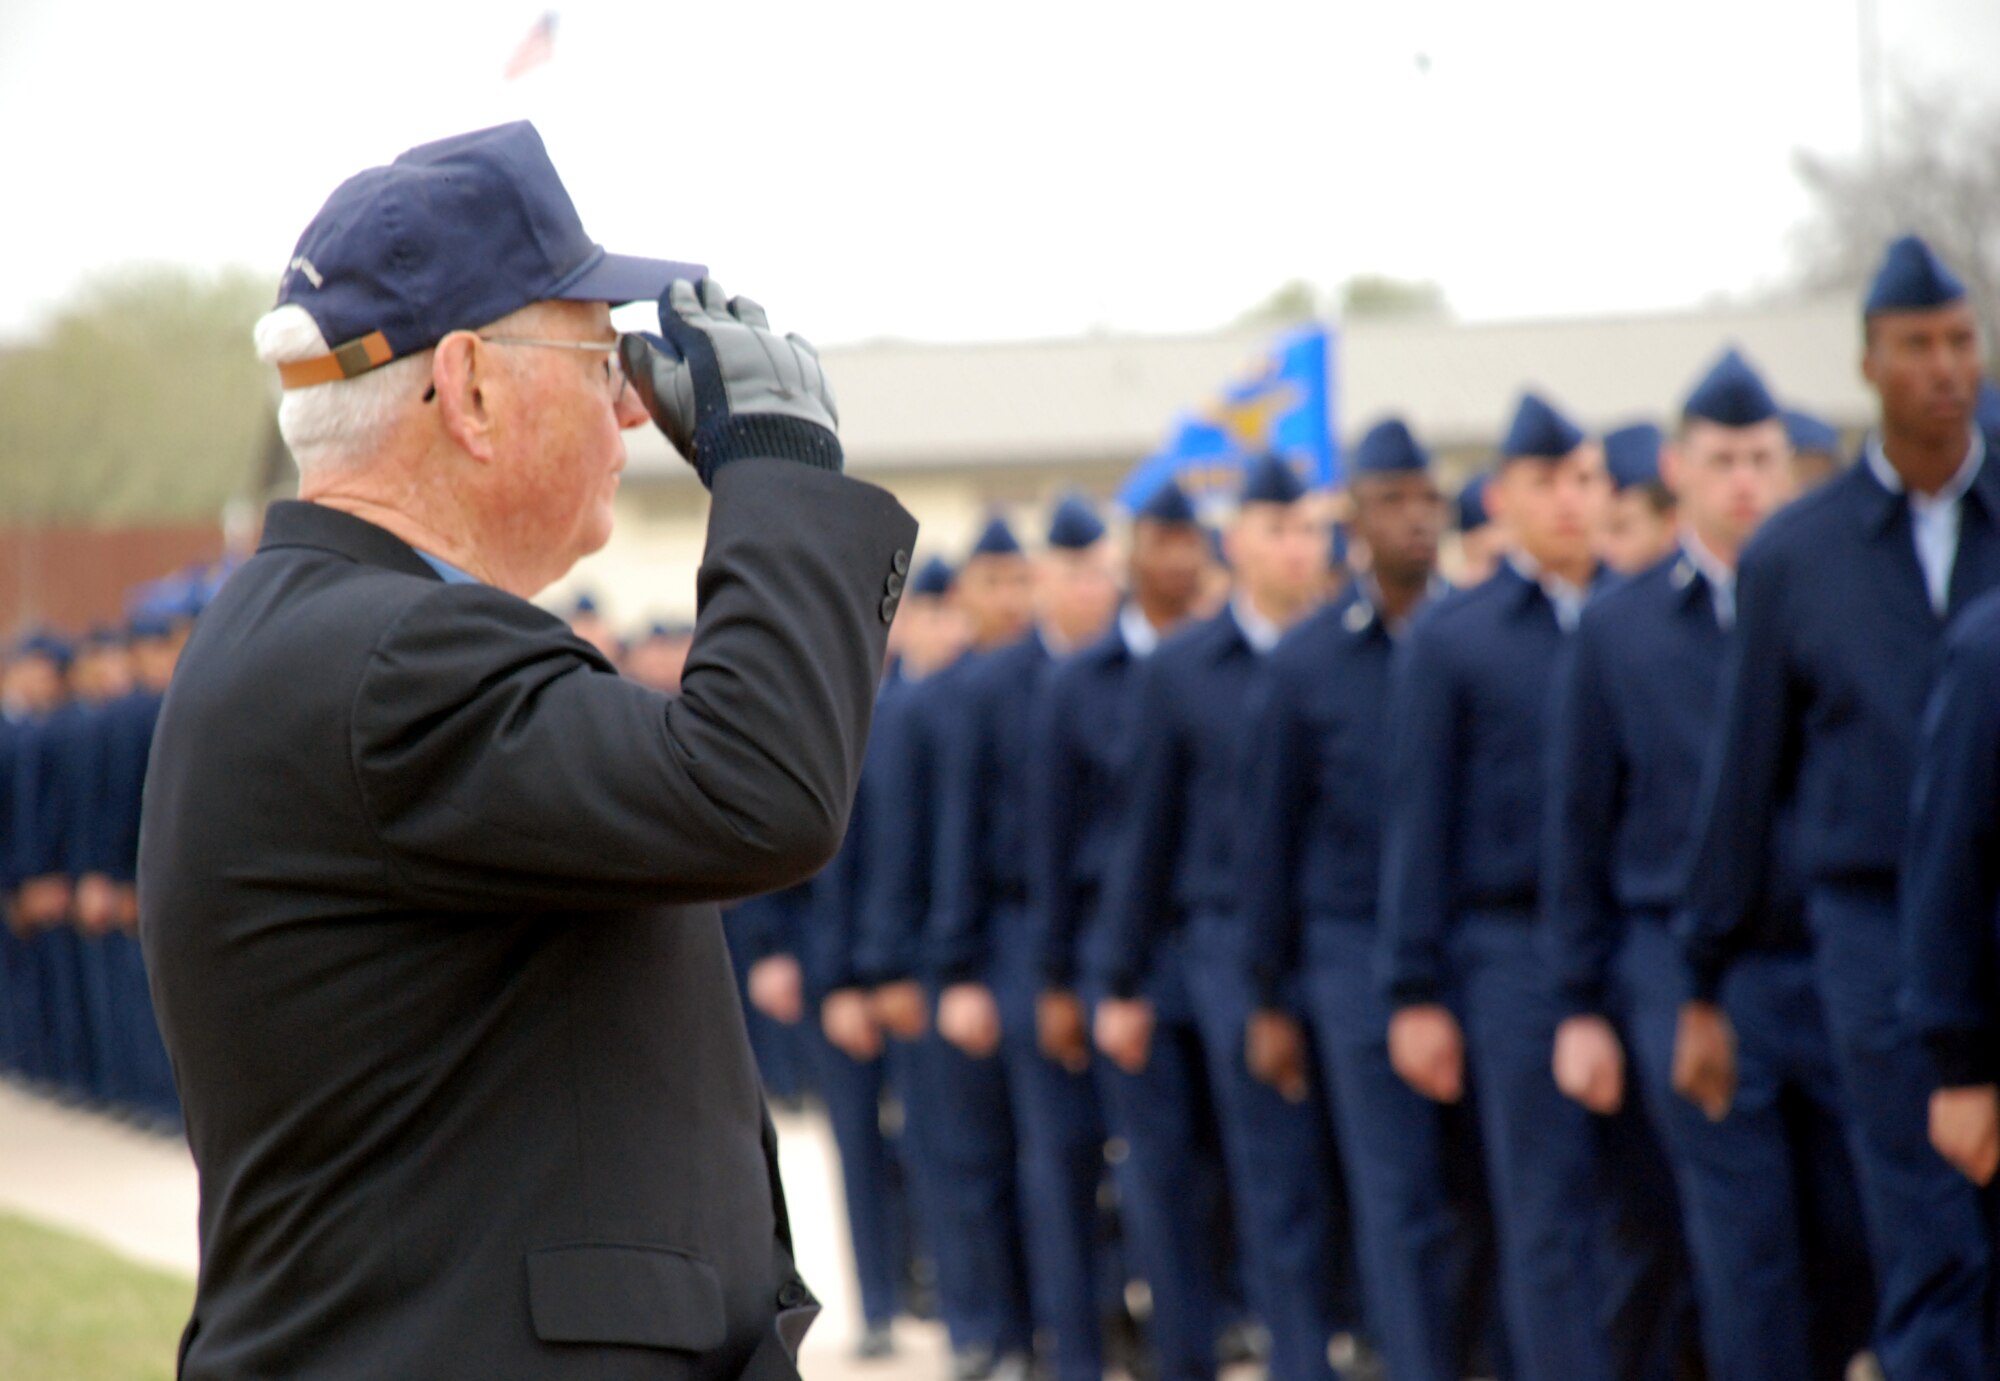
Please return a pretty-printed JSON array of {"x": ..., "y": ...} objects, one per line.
[{"x": 333, "y": 425}]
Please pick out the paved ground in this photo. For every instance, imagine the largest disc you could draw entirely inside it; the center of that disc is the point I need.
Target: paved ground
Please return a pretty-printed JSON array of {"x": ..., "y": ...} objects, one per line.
[{"x": 135, "y": 1192}]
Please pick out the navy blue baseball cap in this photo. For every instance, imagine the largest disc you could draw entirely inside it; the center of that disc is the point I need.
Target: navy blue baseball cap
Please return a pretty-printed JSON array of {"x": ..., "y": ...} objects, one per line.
[{"x": 451, "y": 236}]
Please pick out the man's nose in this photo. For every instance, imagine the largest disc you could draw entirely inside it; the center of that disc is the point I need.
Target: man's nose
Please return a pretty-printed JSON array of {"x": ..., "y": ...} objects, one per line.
[{"x": 631, "y": 412}]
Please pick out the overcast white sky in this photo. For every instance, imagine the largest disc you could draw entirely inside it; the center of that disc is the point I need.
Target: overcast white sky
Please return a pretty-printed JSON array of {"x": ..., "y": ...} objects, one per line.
[{"x": 956, "y": 172}]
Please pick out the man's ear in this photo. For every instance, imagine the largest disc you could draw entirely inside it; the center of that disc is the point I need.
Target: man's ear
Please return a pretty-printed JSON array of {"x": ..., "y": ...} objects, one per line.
[
  {"x": 1670, "y": 467},
  {"x": 461, "y": 374}
]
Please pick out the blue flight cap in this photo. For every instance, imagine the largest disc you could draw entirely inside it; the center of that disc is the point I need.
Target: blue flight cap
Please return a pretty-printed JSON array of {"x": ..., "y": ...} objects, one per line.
[
  {"x": 451, "y": 236},
  {"x": 1389, "y": 449},
  {"x": 104, "y": 635},
  {"x": 1074, "y": 525},
  {"x": 1987, "y": 411},
  {"x": 1539, "y": 432},
  {"x": 43, "y": 643},
  {"x": 1632, "y": 455},
  {"x": 996, "y": 539},
  {"x": 1809, "y": 433},
  {"x": 1731, "y": 394},
  {"x": 1911, "y": 279},
  {"x": 933, "y": 578},
  {"x": 663, "y": 630},
  {"x": 1168, "y": 504},
  {"x": 1471, "y": 505},
  {"x": 1270, "y": 478},
  {"x": 585, "y": 606}
]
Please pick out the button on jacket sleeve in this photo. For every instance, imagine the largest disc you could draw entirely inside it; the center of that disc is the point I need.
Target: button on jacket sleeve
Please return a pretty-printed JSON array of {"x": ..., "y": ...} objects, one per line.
[{"x": 500, "y": 765}]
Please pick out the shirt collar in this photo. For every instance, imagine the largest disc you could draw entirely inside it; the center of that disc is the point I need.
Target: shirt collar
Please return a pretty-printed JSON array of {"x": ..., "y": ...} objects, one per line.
[
  {"x": 448, "y": 573},
  {"x": 1555, "y": 589},
  {"x": 1258, "y": 631},
  {"x": 1711, "y": 567},
  {"x": 1364, "y": 609},
  {"x": 1954, "y": 488},
  {"x": 1137, "y": 630}
]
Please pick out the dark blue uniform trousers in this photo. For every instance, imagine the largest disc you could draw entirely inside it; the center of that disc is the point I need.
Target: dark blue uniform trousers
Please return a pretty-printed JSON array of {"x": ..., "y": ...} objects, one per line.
[
  {"x": 1649, "y": 1306},
  {"x": 876, "y": 1219},
  {"x": 1541, "y": 1152},
  {"x": 1772, "y": 1211},
  {"x": 1060, "y": 1124},
  {"x": 1423, "y": 1226},
  {"x": 1171, "y": 1185},
  {"x": 1932, "y": 1243},
  {"x": 969, "y": 1130},
  {"x": 1283, "y": 1170}
]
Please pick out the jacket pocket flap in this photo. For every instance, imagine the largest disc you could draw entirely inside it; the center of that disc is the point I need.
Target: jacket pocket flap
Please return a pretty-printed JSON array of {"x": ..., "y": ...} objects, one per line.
[{"x": 640, "y": 1296}]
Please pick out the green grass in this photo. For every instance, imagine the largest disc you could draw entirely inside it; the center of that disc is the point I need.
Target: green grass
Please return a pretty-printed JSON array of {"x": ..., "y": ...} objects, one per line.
[{"x": 72, "y": 1311}]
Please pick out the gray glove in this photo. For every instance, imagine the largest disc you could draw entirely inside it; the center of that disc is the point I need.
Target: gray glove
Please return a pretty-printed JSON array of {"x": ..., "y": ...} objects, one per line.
[{"x": 721, "y": 384}]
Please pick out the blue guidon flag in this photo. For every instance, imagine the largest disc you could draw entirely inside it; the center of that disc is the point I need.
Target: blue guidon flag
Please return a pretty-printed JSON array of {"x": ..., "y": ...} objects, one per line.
[{"x": 1286, "y": 405}]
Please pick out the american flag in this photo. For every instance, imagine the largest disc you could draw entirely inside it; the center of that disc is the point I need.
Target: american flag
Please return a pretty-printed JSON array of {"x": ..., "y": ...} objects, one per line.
[{"x": 537, "y": 48}]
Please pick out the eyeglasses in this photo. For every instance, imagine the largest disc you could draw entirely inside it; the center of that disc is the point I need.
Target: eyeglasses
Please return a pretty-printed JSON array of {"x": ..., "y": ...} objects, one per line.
[{"x": 614, "y": 371}]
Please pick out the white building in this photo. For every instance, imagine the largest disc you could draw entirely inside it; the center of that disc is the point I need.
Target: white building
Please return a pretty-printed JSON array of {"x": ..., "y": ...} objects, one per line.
[{"x": 956, "y": 430}]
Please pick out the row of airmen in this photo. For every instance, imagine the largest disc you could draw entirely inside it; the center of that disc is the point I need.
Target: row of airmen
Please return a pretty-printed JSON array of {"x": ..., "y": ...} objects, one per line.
[
  {"x": 76, "y": 725},
  {"x": 1554, "y": 978}
]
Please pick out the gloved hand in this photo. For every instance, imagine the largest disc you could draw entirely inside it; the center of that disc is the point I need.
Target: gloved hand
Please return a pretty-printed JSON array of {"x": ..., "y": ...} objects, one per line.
[{"x": 721, "y": 384}]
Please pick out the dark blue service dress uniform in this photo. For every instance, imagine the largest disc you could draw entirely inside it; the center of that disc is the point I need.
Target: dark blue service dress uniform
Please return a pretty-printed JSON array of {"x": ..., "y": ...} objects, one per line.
[
  {"x": 1172, "y": 932},
  {"x": 981, "y": 930},
  {"x": 878, "y": 1219},
  {"x": 1457, "y": 926},
  {"x": 1836, "y": 652},
  {"x": 1636, "y": 706},
  {"x": 1310, "y": 863},
  {"x": 959, "y": 1113},
  {"x": 50, "y": 795},
  {"x": 1951, "y": 868},
  {"x": 145, "y": 1078},
  {"x": 1170, "y": 1183}
]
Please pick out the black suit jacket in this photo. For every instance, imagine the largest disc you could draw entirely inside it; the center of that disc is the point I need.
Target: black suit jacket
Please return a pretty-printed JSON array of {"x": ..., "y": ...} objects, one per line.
[{"x": 428, "y": 905}]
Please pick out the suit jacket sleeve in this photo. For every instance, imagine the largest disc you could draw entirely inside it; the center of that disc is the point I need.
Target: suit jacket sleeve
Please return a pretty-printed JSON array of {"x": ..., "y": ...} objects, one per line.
[
  {"x": 1585, "y": 775},
  {"x": 1744, "y": 780},
  {"x": 1417, "y": 846},
  {"x": 1951, "y": 879},
  {"x": 502, "y": 764}
]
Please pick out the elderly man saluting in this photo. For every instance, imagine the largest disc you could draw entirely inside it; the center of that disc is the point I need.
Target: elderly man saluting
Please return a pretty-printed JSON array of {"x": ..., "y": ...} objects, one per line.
[{"x": 427, "y": 890}]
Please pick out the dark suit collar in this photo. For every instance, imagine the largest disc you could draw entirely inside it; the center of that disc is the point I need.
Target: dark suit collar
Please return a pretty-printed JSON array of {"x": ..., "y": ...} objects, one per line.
[{"x": 292, "y": 523}]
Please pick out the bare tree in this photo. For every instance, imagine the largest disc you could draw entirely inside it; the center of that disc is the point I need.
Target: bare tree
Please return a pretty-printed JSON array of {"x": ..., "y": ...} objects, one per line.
[{"x": 1937, "y": 174}]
